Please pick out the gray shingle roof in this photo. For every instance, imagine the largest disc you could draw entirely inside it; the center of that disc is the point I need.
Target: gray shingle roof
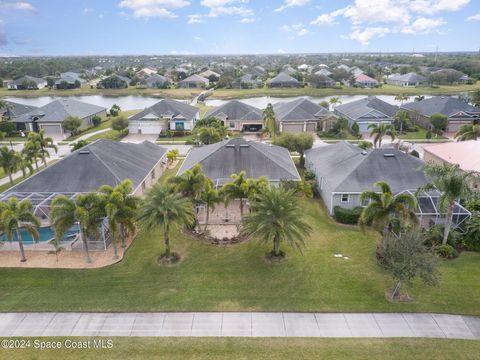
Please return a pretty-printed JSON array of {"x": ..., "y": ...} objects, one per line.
[
  {"x": 219, "y": 161},
  {"x": 283, "y": 78},
  {"x": 106, "y": 163},
  {"x": 236, "y": 110},
  {"x": 410, "y": 77},
  {"x": 195, "y": 78},
  {"x": 347, "y": 168},
  {"x": 154, "y": 78},
  {"x": 172, "y": 107},
  {"x": 300, "y": 109},
  {"x": 59, "y": 109},
  {"x": 15, "y": 109},
  {"x": 359, "y": 108},
  {"x": 20, "y": 80},
  {"x": 442, "y": 104}
]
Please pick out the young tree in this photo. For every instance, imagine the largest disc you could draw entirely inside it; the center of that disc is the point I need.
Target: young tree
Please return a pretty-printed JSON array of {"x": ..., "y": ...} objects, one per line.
[
  {"x": 334, "y": 101},
  {"x": 468, "y": 132},
  {"x": 96, "y": 120},
  {"x": 120, "y": 123},
  {"x": 269, "y": 120},
  {"x": 16, "y": 216},
  {"x": 210, "y": 198},
  {"x": 385, "y": 208},
  {"x": 439, "y": 123},
  {"x": 406, "y": 257},
  {"x": 402, "y": 98},
  {"x": 277, "y": 217},
  {"x": 172, "y": 155},
  {"x": 72, "y": 124},
  {"x": 378, "y": 131},
  {"x": 236, "y": 189},
  {"x": 296, "y": 142},
  {"x": 453, "y": 184},
  {"x": 164, "y": 207},
  {"x": 115, "y": 110}
]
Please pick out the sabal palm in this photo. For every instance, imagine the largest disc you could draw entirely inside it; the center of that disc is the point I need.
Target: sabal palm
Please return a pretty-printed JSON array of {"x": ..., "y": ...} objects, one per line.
[
  {"x": 45, "y": 143},
  {"x": 334, "y": 101},
  {"x": 12, "y": 161},
  {"x": 210, "y": 197},
  {"x": 378, "y": 131},
  {"x": 86, "y": 209},
  {"x": 277, "y": 217},
  {"x": 236, "y": 189},
  {"x": 468, "y": 132},
  {"x": 453, "y": 184},
  {"x": 386, "y": 207},
  {"x": 17, "y": 215},
  {"x": 32, "y": 150},
  {"x": 163, "y": 206},
  {"x": 402, "y": 98},
  {"x": 120, "y": 209}
]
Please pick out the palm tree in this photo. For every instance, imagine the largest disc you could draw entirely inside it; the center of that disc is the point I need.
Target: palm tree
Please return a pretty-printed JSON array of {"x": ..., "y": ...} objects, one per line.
[
  {"x": 269, "y": 120},
  {"x": 210, "y": 197},
  {"x": 379, "y": 131},
  {"x": 236, "y": 189},
  {"x": 255, "y": 187},
  {"x": 44, "y": 143},
  {"x": 86, "y": 209},
  {"x": 277, "y": 217},
  {"x": 402, "y": 98},
  {"x": 120, "y": 209},
  {"x": 16, "y": 216},
  {"x": 32, "y": 150},
  {"x": 385, "y": 207},
  {"x": 453, "y": 184},
  {"x": 334, "y": 101},
  {"x": 191, "y": 184},
  {"x": 163, "y": 206},
  {"x": 419, "y": 97},
  {"x": 401, "y": 118},
  {"x": 468, "y": 132},
  {"x": 11, "y": 161}
]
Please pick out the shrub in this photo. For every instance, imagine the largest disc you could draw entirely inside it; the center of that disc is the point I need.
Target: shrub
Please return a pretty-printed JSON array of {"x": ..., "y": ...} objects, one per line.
[
  {"x": 309, "y": 175},
  {"x": 347, "y": 216},
  {"x": 471, "y": 239},
  {"x": 446, "y": 251},
  {"x": 365, "y": 145},
  {"x": 119, "y": 123},
  {"x": 96, "y": 120},
  {"x": 72, "y": 124},
  {"x": 434, "y": 236},
  {"x": 7, "y": 127}
]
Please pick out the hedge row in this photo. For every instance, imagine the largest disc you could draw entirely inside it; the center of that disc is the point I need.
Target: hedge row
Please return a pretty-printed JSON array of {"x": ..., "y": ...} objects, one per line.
[{"x": 347, "y": 216}]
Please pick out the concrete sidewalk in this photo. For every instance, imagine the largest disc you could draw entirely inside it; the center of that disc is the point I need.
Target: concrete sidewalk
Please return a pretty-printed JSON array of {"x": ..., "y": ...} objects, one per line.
[{"x": 251, "y": 324}]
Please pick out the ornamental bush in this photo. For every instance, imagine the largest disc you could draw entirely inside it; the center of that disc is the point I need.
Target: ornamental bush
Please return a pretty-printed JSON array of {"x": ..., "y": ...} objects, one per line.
[{"x": 347, "y": 216}]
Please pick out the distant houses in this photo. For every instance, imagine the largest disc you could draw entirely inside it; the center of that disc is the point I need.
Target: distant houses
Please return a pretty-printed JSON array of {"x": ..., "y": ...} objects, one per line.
[
  {"x": 458, "y": 112},
  {"x": 407, "y": 80},
  {"x": 27, "y": 83},
  {"x": 364, "y": 81},
  {"x": 165, "y": 115},
  {"x": 69, "y": 80},
  {"x": 366, "y": 111},
  {"x": 238, "y": 116},
  {"x": 155, "y": 81},
  {"x": 194, "y": 81},
  {"x": 283, "y": 80},
  {"x": 50, "y": 117}
]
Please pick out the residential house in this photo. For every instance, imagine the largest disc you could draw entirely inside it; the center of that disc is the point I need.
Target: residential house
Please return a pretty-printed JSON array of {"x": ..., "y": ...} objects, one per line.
[
  {"x": 259, "y": 71},
  {"x": 238, "y": 116},
  {"x": 27, "y": 83},
  {"x": 248, "y": 81},
  {"x": 13, "y": 110},
  {"x": 283, "y": 80},
  {"x": 465, "y": 154},
  {"x": 155, "y": 81},
  {"x": 304, "y": 68},
  {"x": 366, "y": 111},
  {"x": 323, "y": 81},
  {"x": 167, "y": 114},
  {"x": 458, "y": 112},
  {"x": 50, "y": 116},
  {"x": 194, "y": 81},
  {"x": 70, "y": 80},
  {"x": 407, "y": 80},
  {"x": 364, "y": 81},
  {"x": 343, "y": 171},
  {"x": 207, "y": 73},
  {"x": 356, "y": 71},
  {"x": 146, "y": 72},
  {"x": 301, "y": 115},
  {"x": 324, "y": 72}
]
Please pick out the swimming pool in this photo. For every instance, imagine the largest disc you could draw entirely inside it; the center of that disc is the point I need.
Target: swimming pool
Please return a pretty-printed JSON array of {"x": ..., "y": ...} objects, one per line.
[{"x": 46, "y": 234}]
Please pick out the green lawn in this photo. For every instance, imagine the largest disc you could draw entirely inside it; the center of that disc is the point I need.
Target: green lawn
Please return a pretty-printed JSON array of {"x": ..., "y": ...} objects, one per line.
[
  {"x": 108, "y": 135},
  {"x": 237, "y": 278},
  {"x": 421, "y": 134},
  {"x": 258, "y": 348}
]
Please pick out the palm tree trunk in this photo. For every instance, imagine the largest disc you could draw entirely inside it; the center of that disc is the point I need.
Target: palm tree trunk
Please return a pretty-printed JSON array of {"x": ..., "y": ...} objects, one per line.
[
  {"x": 115, "y": 250},
  {"x": 276, "y": 245},
  {"x": 241, "y": 208},
  {"x": 20, "y": 245},
  {"x": 166, "y": 240},
  {"x": 386, "y": 229},
  {"x": 448, "y": 223},
  {"x": 85, "y": 245},
  {"x": 122, "y": 234},
  {"x": 207, "y": 217},
  {"x": 10, "y": 178}
]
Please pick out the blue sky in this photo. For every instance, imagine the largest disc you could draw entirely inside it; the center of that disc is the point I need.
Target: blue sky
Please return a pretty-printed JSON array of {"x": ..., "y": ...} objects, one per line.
[{"x": 88, "y": 27}]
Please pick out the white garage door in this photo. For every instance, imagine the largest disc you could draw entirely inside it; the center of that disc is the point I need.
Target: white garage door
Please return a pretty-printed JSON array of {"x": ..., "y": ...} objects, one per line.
[
  {"x": 53, "y": 129},
  {"x": 292, "y": 127},
  {"x": 149, "y": 129}
]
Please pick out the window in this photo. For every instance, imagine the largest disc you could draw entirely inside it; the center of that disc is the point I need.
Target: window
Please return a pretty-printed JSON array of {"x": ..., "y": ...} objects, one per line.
[
  {"x": 231, "y": 124},
  {"x": 345, "y": 198},
  {"x": 179, "y": 126},
  {"x": 365, "y": 202}
]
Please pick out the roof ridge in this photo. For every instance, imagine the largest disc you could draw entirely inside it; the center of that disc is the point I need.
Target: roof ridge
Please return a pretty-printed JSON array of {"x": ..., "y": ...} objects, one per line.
[
  {"x": 271, "y": 158},
  {"x": 104, "y": 164}
]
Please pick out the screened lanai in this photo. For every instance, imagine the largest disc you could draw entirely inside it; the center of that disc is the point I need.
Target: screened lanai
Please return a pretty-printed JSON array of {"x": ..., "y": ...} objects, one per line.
[{"x": 429, "y": 213}]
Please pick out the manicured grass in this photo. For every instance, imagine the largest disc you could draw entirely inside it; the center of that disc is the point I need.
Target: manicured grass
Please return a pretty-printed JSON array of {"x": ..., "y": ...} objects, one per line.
[
  {"x": 421, "y": 134},
  {"x": 258, "y": 348},
  {"x": 238, "y": 278},
  {"x": 108, "y": 135},
  {"x": 239, "y": 93}
]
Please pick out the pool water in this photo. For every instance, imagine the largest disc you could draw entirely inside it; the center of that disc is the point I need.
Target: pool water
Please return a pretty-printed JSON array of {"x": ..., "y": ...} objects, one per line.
[{"x": 46, "y": 234}]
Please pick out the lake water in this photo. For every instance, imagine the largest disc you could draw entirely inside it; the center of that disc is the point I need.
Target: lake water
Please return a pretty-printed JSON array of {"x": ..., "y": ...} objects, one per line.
[{"x": 133, "y": 102}]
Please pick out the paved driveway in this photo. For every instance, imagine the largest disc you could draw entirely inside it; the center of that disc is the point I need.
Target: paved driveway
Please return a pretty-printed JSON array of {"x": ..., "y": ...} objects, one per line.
[{"x": 139, "y": 138}]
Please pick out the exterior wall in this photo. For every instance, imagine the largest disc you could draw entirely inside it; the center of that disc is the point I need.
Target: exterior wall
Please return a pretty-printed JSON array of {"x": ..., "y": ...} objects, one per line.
[
  {"x": 453, "y": 125},
  {"x": 354, "y": 201},
  {"x": 187, "y": 124},
  {"x": 152, "y": 177},
  {"x": 363, "y": 125}
]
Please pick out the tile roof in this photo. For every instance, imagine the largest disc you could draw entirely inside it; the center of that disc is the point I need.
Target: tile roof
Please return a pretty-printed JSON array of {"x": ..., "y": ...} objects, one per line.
[{"x": 464, "y": 153}]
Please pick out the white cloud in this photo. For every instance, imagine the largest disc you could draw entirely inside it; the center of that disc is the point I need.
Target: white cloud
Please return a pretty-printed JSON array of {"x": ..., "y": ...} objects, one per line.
[
  {"x": 423, "y": 26},
  {"x": 154, "y": 8},
  {"x": 327, "y": 19},
  {"x": 364, "y": 36},
  {"x": 247, "y": 20},
  {"x": 474, "y": 17},
  {"x": 291, "y": 3},
  {"x": 195, "y": 19},
  {"x": 434, "y": 6},
  {"x": 17, "y": 5},
  {"x": 197, "y": 38},
  {"x": 227, "y": 7},
  {"x": 295, "y": 30}
]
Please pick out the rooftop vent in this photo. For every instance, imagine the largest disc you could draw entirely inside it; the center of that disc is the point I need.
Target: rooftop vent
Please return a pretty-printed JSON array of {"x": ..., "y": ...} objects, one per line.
[
  {"x": 364, "y": 152},
  {"x": 84, "y": 152},
  {"x": 388, "y": 155},
  {"x": 244, "y": 145},
  {"x": 230, "y": 146}
]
